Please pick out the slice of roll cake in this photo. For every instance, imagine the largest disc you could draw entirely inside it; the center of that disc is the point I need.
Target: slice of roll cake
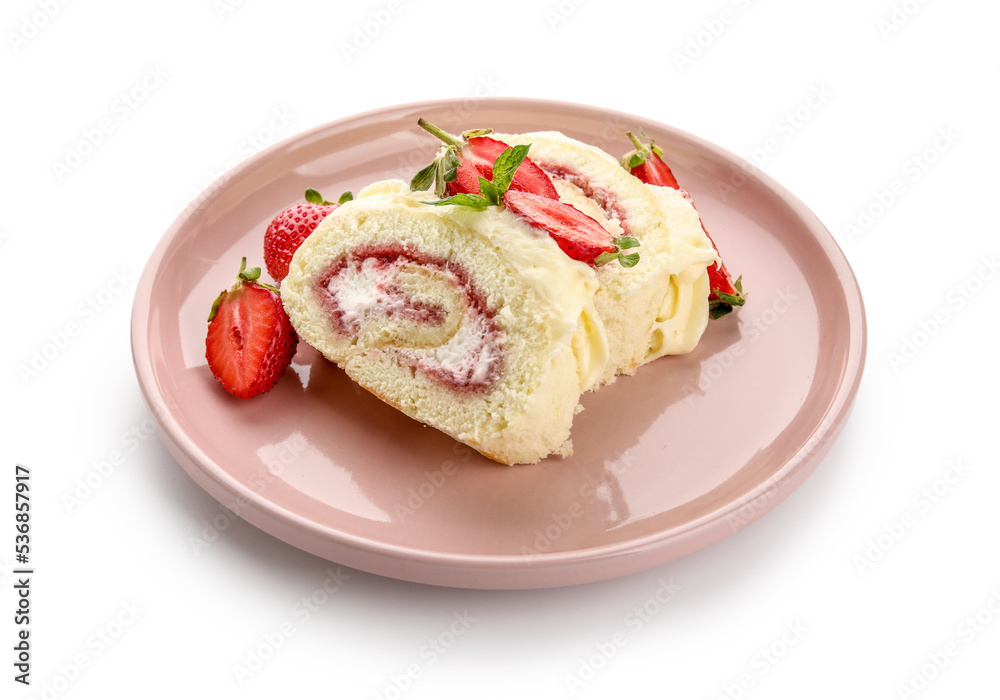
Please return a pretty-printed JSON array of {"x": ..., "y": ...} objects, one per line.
[
  {"x": 660, "y": 306},
  {"x": 471, "y": 322}
]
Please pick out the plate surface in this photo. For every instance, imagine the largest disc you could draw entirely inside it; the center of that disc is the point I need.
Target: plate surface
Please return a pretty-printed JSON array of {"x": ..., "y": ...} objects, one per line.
[{"x": 688, "y": 451}]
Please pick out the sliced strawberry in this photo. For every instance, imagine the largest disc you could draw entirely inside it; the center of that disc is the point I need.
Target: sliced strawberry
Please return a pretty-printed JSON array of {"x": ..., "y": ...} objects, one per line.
[
  {"x": 726, "y": 292},
  {"x": 250, "y": 340},
  {"x": 474, "y": 154},
  {"x": 467, "y": 179},
  {"x": 288, "y": 229},
  {"x": 481, "y": 152},
  {"x": 580, "y": 237},
  {"x": 646, "y": 163}
]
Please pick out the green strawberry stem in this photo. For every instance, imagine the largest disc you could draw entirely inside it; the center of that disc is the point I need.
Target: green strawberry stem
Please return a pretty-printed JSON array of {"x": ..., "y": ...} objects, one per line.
[
  {"x": 639, "y": 145},
  {"x": 456, "y": 142},
  {"x": 449, "y": 139},
  {"x": 244, "y": 276},
  {"x": 642, "y": 152}
]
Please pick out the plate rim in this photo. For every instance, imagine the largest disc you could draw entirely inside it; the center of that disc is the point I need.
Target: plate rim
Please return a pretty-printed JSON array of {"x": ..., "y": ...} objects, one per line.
[{"x": 465, "y": 570}]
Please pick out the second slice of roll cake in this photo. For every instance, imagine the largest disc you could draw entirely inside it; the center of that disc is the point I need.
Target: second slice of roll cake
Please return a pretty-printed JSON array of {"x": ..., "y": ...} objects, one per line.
[
  {"x": 471, "y": 322},
  {"x": 660, "y": 306}
]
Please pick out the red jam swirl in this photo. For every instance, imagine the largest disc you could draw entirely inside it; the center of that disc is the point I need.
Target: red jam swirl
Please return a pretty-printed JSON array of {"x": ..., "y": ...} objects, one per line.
[{"x": 468, "y": 363}]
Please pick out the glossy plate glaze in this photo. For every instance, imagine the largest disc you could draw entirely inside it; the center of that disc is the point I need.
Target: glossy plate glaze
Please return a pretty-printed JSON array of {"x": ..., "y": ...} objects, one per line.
[{"x": 329, "y": 468}]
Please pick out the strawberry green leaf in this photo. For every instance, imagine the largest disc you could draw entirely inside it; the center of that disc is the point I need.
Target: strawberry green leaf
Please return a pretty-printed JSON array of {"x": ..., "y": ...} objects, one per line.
[
  {"x": 439, "y": 173},
  {"x": 424, "y": 179},
  {"x": 633, "y": 159},
  {"x": 717, "y": 308},
  {"x": 215, "y": 306},
  {"x": 652, "y": 144},
  {"x": 244, "y": 276},
  {"x": 447, "y": 163},
  {"x": 249, "y": 274},
  {"x": 346, "y": 197},
  {"x": 314, "y": 197},
  {"x": 473, "y": 133}
]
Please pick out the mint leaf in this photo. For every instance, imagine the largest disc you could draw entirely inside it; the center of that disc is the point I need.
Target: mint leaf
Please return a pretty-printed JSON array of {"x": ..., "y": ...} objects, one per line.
[
  {"x": 626, "y": 242},
  {"x": 506, "y": 165},
  {"x": 491, "y": 193},
  {"x": 625, "y": 260},
  {"x": 346, "y": 197},
  {"x": 473, "y": 201},
  {"x": 629, "y": 260}
]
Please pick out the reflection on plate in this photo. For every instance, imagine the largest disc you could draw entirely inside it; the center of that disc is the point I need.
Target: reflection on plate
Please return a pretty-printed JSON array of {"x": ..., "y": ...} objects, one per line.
[{"x": 686, "y": 452}]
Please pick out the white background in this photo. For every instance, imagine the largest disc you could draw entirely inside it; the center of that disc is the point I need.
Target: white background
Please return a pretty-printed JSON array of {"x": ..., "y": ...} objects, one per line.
[{"x": 860, "y": 584}]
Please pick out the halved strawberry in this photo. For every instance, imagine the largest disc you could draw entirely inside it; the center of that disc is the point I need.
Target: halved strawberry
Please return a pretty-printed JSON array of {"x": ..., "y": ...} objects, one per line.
[
  {"x": 471, "y": 155},
  {"x": 578, "y": 235},
  {"x": 725, "y": 292},
  {"x": 482, "y": 151},
  {"x": 250, "y": 340},
  {"x": 288, "y": 229},
  {"x": 646, "y": 163}
]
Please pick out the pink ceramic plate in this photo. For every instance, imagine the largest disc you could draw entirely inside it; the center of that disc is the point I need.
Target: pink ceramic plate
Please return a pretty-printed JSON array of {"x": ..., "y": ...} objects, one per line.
[{"x": 679, "y": 456}]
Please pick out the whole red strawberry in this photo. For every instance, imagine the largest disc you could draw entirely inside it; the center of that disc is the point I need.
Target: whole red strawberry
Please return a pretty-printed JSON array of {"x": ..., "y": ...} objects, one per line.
[
  {"x": 250, "y": 340},
  {"x": 288, "y": 229}
]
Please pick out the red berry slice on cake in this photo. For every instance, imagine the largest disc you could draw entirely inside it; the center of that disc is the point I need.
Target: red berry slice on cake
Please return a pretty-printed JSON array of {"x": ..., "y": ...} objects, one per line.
[
  {"x": 470, "y": 156},
  {"x": 578, "y": 235},
  {"x": 288, "y": 229},
  {"x": 646, "y": 163},
  {"x": 250, "y": 340}
]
